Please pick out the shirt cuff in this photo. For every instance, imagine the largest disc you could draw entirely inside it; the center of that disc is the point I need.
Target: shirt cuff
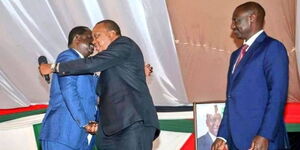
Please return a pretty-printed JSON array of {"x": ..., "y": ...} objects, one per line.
[
  {"x": 222, "y": 139},
  {"x": 54, "y": 67},
  {"x": 57, "y": 67}
]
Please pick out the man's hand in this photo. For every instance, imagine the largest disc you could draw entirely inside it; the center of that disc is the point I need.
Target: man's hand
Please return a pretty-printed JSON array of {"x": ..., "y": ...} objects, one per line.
[
  {"x": 45, "y": 69},
  {"x": 259, "y": 143},
  {"x": 219, "y": 144},
  {"x": 92, "y": 127},
  {"x": 148, "y": 70}
]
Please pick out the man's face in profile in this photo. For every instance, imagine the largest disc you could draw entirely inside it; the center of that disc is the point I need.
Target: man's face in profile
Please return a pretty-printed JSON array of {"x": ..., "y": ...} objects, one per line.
[
  {"x": 85, "y": 45},
  {"x": 241, "y": 25},
  {"x": 102, "y": 37},
  {"x": 213, "y": 122}
]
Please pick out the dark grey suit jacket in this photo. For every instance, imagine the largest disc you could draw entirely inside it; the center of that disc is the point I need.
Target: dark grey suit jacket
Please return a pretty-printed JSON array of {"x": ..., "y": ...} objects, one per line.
[{"x": 125, "y": 97}]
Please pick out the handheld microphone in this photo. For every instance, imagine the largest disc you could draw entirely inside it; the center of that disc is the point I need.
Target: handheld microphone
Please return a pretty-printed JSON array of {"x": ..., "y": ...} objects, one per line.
[{"x": 43, "y": 60}]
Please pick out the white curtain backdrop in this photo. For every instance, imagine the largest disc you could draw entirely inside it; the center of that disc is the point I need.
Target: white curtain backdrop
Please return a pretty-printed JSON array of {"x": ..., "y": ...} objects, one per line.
[{"x": 40, "y": 27}]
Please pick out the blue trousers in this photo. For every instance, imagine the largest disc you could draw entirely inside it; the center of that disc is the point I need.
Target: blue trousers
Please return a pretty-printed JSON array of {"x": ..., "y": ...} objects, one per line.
[{"x": 49, "y": 145}]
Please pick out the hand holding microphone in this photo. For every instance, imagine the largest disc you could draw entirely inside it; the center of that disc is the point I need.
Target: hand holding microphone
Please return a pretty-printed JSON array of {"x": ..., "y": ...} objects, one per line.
[{"x": 44, "y": 68}]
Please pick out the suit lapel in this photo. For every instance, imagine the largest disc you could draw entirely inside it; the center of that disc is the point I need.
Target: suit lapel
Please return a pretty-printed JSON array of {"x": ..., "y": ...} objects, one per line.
[{"x": 250, "y": 52}]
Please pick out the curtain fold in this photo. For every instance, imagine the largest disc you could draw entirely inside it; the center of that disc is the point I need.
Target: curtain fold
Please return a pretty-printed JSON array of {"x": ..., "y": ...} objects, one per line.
[
  {"x": 187, "y": 42},
  {"x": 204, "y": 43},
  {"x": 33, "y": 28}
]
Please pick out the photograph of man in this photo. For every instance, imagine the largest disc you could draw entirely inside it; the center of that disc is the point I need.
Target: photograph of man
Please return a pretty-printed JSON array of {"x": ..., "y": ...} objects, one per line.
[
  {"x": 72, "y": 107},
  {"x": 213, "y": 121},
  {"x": 128, "y": 117},
  {"x": 257, "y": 87}
]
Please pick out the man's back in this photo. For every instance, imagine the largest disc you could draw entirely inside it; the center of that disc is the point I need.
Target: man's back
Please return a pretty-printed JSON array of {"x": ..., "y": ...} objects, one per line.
[{"x": 125, "y": 97}]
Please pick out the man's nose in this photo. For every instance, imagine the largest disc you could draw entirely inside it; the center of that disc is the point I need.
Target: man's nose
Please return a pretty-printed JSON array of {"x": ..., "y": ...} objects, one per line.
[{"x": 233, "y": 26}]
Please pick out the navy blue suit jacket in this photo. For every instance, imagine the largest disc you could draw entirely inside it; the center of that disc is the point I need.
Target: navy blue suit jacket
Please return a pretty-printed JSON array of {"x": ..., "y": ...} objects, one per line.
[
  {"x": 256, "y": 95},
  {"x": 125, "y": 97},
  {"x": 72, "y": 105}
]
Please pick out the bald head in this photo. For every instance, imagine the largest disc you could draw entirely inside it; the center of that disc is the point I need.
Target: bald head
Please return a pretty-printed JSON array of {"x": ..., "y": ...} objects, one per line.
[{"x": 256, "y": 9}]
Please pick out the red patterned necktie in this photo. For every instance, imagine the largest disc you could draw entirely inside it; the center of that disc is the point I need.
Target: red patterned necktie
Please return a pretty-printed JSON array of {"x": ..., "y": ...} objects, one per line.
[{"x": 242, "y": 53}]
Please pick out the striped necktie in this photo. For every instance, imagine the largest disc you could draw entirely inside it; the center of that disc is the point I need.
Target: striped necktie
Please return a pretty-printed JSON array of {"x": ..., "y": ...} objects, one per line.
[{"x": 242, "y": 54}]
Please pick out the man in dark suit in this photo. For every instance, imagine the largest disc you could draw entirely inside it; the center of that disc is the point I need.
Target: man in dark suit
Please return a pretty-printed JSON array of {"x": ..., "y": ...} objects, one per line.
[
  {"x": 213, "y": 120},
  {"x": 128, "y": 116},
  {"x": 73, "y": 100},
  {"x": 257, "y": 87}
]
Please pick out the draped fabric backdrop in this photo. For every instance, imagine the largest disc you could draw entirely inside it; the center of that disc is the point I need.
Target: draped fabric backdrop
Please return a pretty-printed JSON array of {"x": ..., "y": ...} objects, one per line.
[
  {"x": 189, "y": 67},
  {"x": 204, "y": 43},
  {"x": 40, "y": 27}
]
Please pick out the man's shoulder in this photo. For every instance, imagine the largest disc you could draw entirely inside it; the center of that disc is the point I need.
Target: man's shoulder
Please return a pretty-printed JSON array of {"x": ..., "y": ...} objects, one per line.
[
  {"x": 125, "y": 43},
  {"x": 273, "y": 40},
  {"x": 67, "y": 55},
  {"x": 204, "y": 139},
  {"x": 205, "y": 136},
  {"x": 69, "y": 51},
  {"x": 124, "y": 39},
  {"x": 264, "y": 38}
]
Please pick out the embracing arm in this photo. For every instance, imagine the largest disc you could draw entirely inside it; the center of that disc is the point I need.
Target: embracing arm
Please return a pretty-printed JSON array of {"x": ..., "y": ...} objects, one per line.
[
  {"x": 98, "y": 62},
  {"x": 114, "y": 55}
]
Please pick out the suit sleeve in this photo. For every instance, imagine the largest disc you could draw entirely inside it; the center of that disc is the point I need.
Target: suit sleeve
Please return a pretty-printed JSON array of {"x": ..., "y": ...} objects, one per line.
[
  {"x": 115, "y": 54},
  {"x": 223, "y": 128},
  {"x": 68, "y": 87},
  {"x": 276, "y": 73}
]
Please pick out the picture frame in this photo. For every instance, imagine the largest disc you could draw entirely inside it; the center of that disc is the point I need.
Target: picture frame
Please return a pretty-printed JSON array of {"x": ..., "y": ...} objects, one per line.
[{"x": 207, "y": 119}]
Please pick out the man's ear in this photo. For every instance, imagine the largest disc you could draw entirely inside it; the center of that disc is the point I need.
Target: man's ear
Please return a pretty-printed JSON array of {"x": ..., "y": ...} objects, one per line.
[
  {"x": 253, "y": 17},
  {"x": 76, "y": 38},
  {"x": 112, "y": 33}
]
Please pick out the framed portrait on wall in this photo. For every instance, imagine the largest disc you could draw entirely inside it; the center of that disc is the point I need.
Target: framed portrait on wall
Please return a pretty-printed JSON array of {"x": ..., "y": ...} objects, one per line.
[{"x": 207, "y": 117}]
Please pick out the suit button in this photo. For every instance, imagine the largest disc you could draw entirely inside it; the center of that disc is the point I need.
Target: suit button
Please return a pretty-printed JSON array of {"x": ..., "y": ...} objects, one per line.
[{"x": 228, "y": 96}]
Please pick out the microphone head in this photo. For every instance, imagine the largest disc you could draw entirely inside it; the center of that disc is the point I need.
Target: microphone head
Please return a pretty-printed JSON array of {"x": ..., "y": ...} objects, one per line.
[{"x": 42, "y": 60}]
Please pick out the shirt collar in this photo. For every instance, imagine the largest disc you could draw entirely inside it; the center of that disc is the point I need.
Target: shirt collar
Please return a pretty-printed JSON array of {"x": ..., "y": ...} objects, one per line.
[
  {"x": 250, "y": 41},
  {"x": 212, "y": 136},
  {"x": 80, "y": 55}
]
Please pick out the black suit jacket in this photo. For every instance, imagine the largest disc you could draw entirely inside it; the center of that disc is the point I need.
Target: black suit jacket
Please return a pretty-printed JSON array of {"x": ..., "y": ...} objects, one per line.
[{"x": 125, "y": 97}]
